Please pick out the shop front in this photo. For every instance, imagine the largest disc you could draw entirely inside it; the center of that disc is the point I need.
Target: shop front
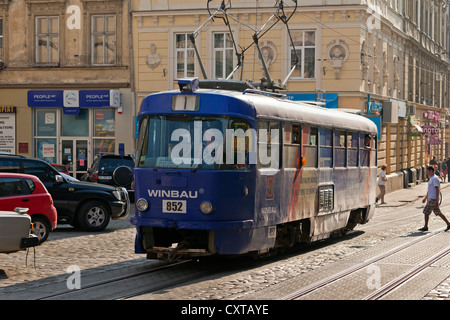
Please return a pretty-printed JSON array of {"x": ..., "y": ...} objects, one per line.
[{"x": 72, "y": 127}]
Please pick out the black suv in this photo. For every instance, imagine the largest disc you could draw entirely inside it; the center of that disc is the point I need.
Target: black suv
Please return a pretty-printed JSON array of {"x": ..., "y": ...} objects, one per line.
[
  {"x": 112, "y": 169},
  {"x": 89, "y": 206}
]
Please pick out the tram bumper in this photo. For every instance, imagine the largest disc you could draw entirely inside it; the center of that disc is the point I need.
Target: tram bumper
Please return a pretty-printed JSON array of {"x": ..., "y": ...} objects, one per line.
[
  {"x": 203, "y": 225},
  {"x": 198, "y": 238}
]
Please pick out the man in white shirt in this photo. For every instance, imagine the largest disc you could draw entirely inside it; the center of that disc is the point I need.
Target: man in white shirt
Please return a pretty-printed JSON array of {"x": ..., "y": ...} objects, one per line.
[
  {"x": 382, "y": 185},
  {"x": 433, "y": 199}
]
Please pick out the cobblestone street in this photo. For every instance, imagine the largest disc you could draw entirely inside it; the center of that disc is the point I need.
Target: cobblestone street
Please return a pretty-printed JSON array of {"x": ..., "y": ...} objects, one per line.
[{"x": 114, "y": 248}]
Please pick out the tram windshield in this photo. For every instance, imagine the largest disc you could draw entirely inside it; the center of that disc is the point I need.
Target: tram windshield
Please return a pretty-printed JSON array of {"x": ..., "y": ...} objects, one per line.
[{"x": 194, "y": 142}]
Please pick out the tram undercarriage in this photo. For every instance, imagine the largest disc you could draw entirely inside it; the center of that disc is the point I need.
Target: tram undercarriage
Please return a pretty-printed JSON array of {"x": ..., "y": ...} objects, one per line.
[{"x": 172, "y": 244}]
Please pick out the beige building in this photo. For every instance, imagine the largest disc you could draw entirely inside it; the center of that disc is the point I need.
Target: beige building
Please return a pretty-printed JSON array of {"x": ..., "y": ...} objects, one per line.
[
  {"x": 384, "y": 59},
  {"x": 67, "y": 78}
]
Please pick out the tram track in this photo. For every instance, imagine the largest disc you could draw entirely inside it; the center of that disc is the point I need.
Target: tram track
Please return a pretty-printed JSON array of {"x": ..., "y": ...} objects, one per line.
[
  {"x": 133, "y": 283},
  {"x": 387, "y": 288}
]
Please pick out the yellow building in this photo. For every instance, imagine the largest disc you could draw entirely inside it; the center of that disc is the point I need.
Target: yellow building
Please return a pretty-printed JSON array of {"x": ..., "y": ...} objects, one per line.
[
  {"x": 66, "y": 72},
  {"x": 383, "y": 59}
]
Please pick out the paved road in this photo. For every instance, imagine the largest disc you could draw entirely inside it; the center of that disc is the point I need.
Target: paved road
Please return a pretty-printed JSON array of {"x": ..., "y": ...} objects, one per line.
[
  {"x": 91, "y": 252},
  {"x": 114, "y": 248}
]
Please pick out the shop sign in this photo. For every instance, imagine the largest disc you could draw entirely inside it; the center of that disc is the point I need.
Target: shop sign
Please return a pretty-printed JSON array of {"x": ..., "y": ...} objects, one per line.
[
  {"x": 7, "y": 129},
  {"x": 429, "y": 130},
  {"x": 71, "y": 99},
  {"x": 94, "y": 98},
  {"x": 99, "y": 98},
  {"x": 373, "y": 105},
  {"x": 45, "y": 98},
  {"x": 432, "y": 115},
  {"x": 434, "y": 140}
]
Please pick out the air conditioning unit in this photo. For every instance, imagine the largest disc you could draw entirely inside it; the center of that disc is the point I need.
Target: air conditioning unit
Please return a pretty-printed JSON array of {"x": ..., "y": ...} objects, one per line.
[
  {"x": 412, "y": 109},
  {"x": 390, "y": 111}
]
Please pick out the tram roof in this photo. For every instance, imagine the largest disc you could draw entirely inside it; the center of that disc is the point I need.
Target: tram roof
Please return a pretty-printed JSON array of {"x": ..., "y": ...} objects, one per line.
[
  {"x": 288, "y": 110},
  {"x": 260, "y": 105}
]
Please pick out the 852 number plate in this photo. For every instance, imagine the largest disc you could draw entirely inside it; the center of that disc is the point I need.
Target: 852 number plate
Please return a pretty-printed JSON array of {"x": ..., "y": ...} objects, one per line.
[{"x": 174, "y": 206}]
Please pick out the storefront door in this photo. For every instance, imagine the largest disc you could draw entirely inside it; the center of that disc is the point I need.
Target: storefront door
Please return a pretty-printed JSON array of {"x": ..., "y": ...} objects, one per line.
[{"x": 75, "y": 153}]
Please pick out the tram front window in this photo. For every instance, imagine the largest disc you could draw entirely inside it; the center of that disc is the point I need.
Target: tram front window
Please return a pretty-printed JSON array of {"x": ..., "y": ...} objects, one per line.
[{"x": 185, "y": 142}]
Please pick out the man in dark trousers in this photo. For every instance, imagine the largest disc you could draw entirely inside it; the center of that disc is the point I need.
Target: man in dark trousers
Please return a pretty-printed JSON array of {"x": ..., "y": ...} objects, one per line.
[{"x": 448, "y": 169}]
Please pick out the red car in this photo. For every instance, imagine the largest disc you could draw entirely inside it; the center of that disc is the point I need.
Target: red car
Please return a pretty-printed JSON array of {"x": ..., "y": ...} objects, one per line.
[
  {"x": 27, "y": 191},
  {"x": 60, "y": 167}
]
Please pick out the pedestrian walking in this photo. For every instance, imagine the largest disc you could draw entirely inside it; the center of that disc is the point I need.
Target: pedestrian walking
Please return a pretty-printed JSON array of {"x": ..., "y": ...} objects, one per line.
[
  {"x": 382, "y": 185},
  {"x": 433, "y": 162},
  {"x": 448, "y": 171},
  {"x": 444, "y": 169},
  {"x": 432, "y": 199}
]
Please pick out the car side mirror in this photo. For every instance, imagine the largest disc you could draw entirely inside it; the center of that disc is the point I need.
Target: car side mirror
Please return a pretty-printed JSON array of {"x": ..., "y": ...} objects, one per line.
[{"x": 59, "y": 179}]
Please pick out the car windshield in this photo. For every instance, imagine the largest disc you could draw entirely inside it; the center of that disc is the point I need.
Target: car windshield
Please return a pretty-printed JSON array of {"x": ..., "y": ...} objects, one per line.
[{"x": 194, "y": 142}]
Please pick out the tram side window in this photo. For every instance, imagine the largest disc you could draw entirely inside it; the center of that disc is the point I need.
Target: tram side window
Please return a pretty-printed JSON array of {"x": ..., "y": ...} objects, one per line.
[
  {"x": 365, "y": 145},
  {"x": 373, "y": 151},
  {"x": 269, "y": 135},
  {"x": 309, "y": 135},
  {"x": 291, "y": 148},
  {"x": 326, "y": 148},
  {"x": 352, "y": 147},
  {"x": 340, "y": 156}
]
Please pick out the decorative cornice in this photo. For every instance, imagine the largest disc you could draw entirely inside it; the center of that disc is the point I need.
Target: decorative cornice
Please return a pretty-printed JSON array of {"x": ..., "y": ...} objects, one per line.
[
  {"x": 38, "y": 6},
  {"x": 102, "y": 5}
]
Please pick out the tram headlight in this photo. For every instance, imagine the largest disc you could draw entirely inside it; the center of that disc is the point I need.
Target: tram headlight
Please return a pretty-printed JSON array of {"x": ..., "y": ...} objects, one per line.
[
  {"x": 142, "y": 204},
  {"x": 206, "y": 207}
]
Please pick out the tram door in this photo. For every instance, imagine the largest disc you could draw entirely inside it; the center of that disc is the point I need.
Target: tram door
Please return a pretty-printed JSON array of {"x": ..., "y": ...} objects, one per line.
[{"x": 75, "y": 154}]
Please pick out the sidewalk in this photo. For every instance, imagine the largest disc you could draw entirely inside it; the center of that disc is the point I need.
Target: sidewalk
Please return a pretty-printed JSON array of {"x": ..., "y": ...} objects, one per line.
[{"x": 401, "y": 197}]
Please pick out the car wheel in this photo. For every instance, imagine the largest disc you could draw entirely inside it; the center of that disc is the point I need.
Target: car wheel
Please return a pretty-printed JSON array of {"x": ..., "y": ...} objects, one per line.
[
  {"x": 93, "y": 216},
  {"x": 41, "y": 228}
]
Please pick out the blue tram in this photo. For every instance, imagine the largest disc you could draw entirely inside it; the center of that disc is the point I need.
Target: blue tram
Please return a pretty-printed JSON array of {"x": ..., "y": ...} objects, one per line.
[{"x": 231, "y": 172}]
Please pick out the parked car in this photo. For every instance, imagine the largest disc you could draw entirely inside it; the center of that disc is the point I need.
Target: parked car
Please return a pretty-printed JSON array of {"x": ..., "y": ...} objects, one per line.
[
  {"x": 27, "y": 191},
  {"x": 89, "y": 206},
  {"x": 15, "y": 231},
  {"x": 113, "y": 169},
  {"x": 60, "y": 167}
]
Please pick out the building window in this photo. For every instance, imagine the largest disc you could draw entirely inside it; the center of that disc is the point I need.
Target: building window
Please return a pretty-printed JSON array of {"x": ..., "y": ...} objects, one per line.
[
  {"x": 103, "y": 39},
  {"x": 184, "y": 55},
  {"x": 223, "y": 55},
  {"x": 104, "y": 131},
  {"x": 305, "y": 46},
  {"x": 47, "y": 39}
]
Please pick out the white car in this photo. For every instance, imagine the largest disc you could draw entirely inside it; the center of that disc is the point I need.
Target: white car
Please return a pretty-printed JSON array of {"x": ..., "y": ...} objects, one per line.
[{"x": 15, "y": 231}]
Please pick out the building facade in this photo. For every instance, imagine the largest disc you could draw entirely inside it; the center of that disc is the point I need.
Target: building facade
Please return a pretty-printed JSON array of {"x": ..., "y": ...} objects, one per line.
[
  {"x": 383, "y": 59},
  {"x": 65, "y": 76}
]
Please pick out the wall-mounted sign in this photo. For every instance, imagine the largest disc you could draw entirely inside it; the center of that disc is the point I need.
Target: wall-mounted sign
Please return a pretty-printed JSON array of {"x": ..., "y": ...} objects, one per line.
[
  {"x": 71, "y": 99},
  {"x": 373, "y": 106},
  {"x": 429, "y": 130},
  {"x": 432, "y": 115},
  {"x": 8, "y": 129},
  {"x": 434, "y": 140},
  {"x": 45, "y": 98}
]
